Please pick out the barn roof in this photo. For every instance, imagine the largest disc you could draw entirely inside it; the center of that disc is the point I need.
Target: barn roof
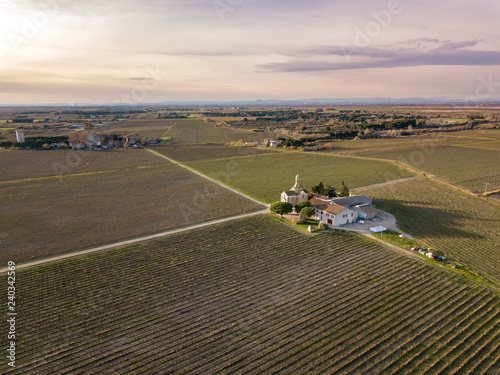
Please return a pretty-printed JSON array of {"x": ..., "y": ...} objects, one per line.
[
  {"x": 327, "y": 206},
  {"x": 354, "y": 200}
]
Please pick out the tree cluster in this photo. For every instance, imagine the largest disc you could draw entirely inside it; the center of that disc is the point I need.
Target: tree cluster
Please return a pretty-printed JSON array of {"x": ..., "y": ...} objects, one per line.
[
  {"x": 290, "y": 142},
  {"x": 330, "y": 191},
  {"x": 326, "y": 190}
]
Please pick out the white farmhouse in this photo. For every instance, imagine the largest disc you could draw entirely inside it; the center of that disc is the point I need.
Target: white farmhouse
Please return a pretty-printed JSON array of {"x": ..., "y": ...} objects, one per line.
[
  {"x": 331, "y": 213},
  {"x": 296, "y": 194}
]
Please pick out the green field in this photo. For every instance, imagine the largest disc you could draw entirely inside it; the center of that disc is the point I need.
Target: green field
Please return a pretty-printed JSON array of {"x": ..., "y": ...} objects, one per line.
[
  {"x": 252, "y": 296},
  {"x": 48, "y": 216},
  {"x": 464, "y": 166},
  {"x": 193, "y": 152},
  {"x": 151, "y": 128},
  {"x": 199, "y": 131},
  {"x": 465, "y": 228},
  {"x": 366, "y": 146},
  {"x": 264, "y": 177},
  {"x": 489, "y": 145}
]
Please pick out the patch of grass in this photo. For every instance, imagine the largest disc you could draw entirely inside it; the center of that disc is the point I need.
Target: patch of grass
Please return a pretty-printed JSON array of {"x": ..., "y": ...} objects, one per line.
[
  {"x": 302, "y": 226},
  {"x": 393, "y": 238}
]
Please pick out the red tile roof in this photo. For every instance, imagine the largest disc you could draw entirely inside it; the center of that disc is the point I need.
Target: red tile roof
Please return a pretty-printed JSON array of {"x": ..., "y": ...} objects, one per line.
[{"x": 327, "y": 206}]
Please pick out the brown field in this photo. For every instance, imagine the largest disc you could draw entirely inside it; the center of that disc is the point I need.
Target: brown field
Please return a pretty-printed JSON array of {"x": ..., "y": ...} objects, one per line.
[
  {"x": 23, "y": 164},
  {"x": 187, "y": 153},
  {"x": 465, "y": 228},
  {"x": 151, "y": 128},
  {"x": 230, "y": 118},
  {"x": 43, "y": 217}
]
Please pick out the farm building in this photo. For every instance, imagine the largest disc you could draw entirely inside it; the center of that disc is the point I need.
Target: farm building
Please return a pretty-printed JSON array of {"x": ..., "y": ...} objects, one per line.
[
  {"x": 331, "y": 213},
  {"x": 296, "y": 194},
  {"x": 366, "y": 212},
  {"x": 359, "y": 203}
]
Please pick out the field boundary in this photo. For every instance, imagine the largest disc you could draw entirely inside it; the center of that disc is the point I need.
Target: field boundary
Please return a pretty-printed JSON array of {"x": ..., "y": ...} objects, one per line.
[
  {"x": 383, "y": 183},
  {"x": 132, "y": 241},
  {"x": 84, "y": 173},
  {"x": 209, "y": 178}
]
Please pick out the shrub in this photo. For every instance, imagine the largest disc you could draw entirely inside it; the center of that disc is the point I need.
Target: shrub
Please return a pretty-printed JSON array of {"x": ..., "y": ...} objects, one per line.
[{"x": 322, "y": 226}]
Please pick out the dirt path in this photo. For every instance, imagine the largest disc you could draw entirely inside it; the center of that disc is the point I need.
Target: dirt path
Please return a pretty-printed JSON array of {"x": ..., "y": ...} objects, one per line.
[
  {"x": 158, "y": 235},
  {"x": 383, "y": 183},
  {"x": 208, "y": 178},
  {"x": 132, "y": 241}
]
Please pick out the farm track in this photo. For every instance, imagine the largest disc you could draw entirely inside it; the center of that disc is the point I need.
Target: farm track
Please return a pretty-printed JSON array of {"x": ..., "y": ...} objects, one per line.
[
  {"x": 81, "y": 174},
  {"x": 129, "y": 242},
  {"x": 206, "y": 177},
  {"x": 275, "y": 301}
]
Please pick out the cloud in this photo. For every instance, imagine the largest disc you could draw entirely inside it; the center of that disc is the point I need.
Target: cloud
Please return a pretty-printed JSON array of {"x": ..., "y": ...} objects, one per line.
[
  {"x": 138, "y": 79},
  {"x": 417, "y": 52}
]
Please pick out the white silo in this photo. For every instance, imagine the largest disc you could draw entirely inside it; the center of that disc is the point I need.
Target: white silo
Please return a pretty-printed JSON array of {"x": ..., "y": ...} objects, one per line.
[{"x": 20, "y": 136}]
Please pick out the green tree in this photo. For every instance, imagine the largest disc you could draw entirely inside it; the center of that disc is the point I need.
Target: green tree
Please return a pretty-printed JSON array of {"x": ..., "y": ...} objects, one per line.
[
  {"x": 307, "y": 212},
  {"x": 344, "y": 190},
  {"x": 299, "y": 206},
  {"x": 281, "y": 208},
  {"x": 329, "y": 191},
  {"x": 318, "y": 189}
]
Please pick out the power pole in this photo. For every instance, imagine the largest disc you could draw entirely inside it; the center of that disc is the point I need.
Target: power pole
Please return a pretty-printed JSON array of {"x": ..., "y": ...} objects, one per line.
[{"x": 486, "y": 187}]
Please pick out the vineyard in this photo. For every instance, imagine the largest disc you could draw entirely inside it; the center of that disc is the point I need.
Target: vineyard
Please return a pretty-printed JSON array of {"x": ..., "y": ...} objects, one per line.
[
  {"x": 24, "y": 164},
  {"x": 49, "y": 216},
  {"x": 465, "y": 228},
  {"x": 493, "y": 145},
  {"x": 266, "y": 176},
  {"x": 365, "y": 146},
  {"x": 199, "y": 131},
  {"x": 153, "y": 128},
  {"x": 253, "y": 296},
  {"x": 468, "y": 167},
  {"x": 192, "y": 152}
]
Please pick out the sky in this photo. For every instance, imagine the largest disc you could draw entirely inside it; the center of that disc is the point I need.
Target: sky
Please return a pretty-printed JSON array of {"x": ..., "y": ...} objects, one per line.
[{"x": 130, "y": 51}]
